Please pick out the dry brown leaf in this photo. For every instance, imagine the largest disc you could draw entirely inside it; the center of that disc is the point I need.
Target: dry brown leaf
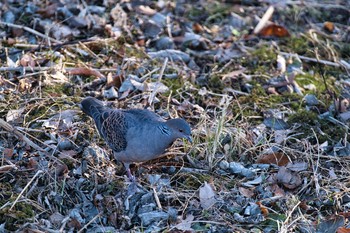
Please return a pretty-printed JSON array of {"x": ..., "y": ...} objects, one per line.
[
  {"x": 49, "y": 10},
  {"x": 274, "y": 30},
  {"x": 277, "y": 191},
  {"x": 246, "y": 192},
  {"x": 27, "y": 60},
  {"x": 303, "y": 205},
  {"x": 197, "y": 28},
  {"x": 273, "y": 158},
  {"x": 32, "y": 164},
  {"x": 86, "y": 71},
  {"x": 8, "y": 153},
  {"x": 343, "y": 230},
  {"x": 61, "y": 170},
  {"x": 74, "y": 223},
  {"x": 329, "y": 26},
  {"x": 264, "y": 209}
]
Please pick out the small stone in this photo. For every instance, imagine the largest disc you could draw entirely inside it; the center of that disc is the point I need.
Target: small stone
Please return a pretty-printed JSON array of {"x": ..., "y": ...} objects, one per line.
[
  {"x": 154, "y": 216},
  {"x": 311, "y": 100}
]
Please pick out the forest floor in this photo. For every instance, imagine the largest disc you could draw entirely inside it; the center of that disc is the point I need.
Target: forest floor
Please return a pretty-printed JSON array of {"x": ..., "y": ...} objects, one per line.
[{"x": 264, "y": 85}]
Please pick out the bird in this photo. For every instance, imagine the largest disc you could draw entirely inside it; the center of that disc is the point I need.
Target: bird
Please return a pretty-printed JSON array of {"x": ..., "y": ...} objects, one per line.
[{"x": 134, "y": 135}]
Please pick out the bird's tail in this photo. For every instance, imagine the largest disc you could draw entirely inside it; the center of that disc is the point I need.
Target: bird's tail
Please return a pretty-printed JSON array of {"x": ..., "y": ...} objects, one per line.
[{"x": 92, "y": 107}]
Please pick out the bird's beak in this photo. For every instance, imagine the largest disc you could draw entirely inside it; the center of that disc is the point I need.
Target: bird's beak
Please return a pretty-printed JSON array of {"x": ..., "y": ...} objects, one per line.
[{"x": 189, "y": 138}]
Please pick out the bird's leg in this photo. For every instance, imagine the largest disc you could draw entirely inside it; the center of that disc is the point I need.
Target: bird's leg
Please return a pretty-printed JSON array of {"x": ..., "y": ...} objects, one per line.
[
  {"x": 128, "y": 172},
  {"x": 130, "y": 176}
]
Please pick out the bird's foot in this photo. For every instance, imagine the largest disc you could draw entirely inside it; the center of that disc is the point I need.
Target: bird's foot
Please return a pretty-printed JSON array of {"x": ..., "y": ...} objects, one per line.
[{"x": 130, "y": 176}]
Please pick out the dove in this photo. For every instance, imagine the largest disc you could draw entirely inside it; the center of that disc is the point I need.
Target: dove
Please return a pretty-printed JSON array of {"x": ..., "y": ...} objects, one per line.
[{"x": 134, "y": 135}]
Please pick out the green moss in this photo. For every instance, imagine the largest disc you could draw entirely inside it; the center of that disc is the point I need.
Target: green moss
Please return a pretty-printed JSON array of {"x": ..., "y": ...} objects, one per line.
[
  {"x": 56, "y": 90},
  {"x": 305, "y": 117},
  {"x": 297, "y": 45},
  {"x": 215, "y": 83},
  {"x": 263, "y": 59},
  {"x": 331, "y": 132},
  {"x": 173, "y": 84},
  {"x": 196, "y": 181},
  {"x": 312, "y": 126},
  {"x": 20, "y": 214},
  {"x": 274, "y": 220}
]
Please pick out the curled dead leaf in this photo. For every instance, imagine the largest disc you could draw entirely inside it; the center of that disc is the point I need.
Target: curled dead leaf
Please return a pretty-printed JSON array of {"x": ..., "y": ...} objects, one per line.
[
  {"x": 274, "y": 30},
  {"x": 86, "y": 71},
  {"x": 288, "y": 179},
  {"x": 277, "y": 158}
]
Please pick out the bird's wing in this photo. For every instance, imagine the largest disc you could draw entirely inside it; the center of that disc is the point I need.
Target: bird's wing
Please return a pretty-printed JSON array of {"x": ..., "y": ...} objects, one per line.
[
  {"x": 144, "y": 115},
  {"x": 114, "y": 127}
]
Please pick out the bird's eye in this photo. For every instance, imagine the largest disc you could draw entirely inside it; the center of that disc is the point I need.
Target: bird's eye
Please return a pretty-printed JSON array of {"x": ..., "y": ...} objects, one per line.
[{"x": 180, "y": 130}]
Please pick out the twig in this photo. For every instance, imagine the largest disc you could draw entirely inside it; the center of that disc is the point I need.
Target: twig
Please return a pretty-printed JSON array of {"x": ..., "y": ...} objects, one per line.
[
  {"x": 20, "y": 136},
  {"x": 91, "y": 221},
  {"x": 193, "y": 170},
  {"x": 91, "y": 52},
  {"x": 264, "y": 20},
  {"x": 31, "y": 31},
  {"x": 25, "y": 188},
  {"x": 157, "y": 198},
  {"x": 154, "y": 92},
  {"x": 145, "y": 77},
  {"x": 329, "y": 63},
  {"x": 19, "y": 69}
]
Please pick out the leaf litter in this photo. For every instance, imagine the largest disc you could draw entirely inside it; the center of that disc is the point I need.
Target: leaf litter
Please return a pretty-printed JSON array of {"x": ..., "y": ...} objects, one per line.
[{"x": 268, "y": 108}]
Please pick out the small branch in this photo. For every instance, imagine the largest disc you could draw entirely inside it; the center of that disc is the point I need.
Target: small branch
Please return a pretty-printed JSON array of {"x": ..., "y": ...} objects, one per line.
[
  {"x": 91, "y": 221},
  {"x": 329, "y": 63},
  {"x": 157, "y": 198},
  {"x": 264, "y": 20},
  {"x": 31, "y": 31},
  {"x": 154, "y": 92},
  {"x": 25, "y": 188},
  {"x": 37, "y": 69},
  {"x": 11, "y": 129},
  {"x": 20, "y": 136}
]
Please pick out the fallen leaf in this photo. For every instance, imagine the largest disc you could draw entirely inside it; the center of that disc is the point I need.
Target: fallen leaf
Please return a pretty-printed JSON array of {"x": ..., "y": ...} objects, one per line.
[
  {"x": 206, "y": 196},
  {"x": 246, "y": 192},
  {"x": 185, "y": 224},
  {"x": 8, "y": 153},
  {"x": 343, "y": 230},
  {"x": 14, "y": 114},
  {"x": 278, "y": 158},
  {"x": 297, "y": 166},
  {"x": 287, "y": 178},
  {"x": 86, "y": 71},
  {"x": 329, "y": 26},
  {"x": 277, "y": 191},
  {"x": 274, "y": 30},
  {"x": 32, "y": 164},
  {"x": 197, "y": 28},
  {"x": 264, "y": 209},
  {"x": 26, "y": 61},
  {"x": 330, "y": 224}
]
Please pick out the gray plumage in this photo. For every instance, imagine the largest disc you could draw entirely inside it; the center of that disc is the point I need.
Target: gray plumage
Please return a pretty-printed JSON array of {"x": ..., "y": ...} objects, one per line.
[{"x": 135, "y": 135}]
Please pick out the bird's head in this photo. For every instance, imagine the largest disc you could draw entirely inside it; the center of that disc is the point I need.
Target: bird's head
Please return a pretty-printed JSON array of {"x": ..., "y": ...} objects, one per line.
[{"x": 180, "y": 128}]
